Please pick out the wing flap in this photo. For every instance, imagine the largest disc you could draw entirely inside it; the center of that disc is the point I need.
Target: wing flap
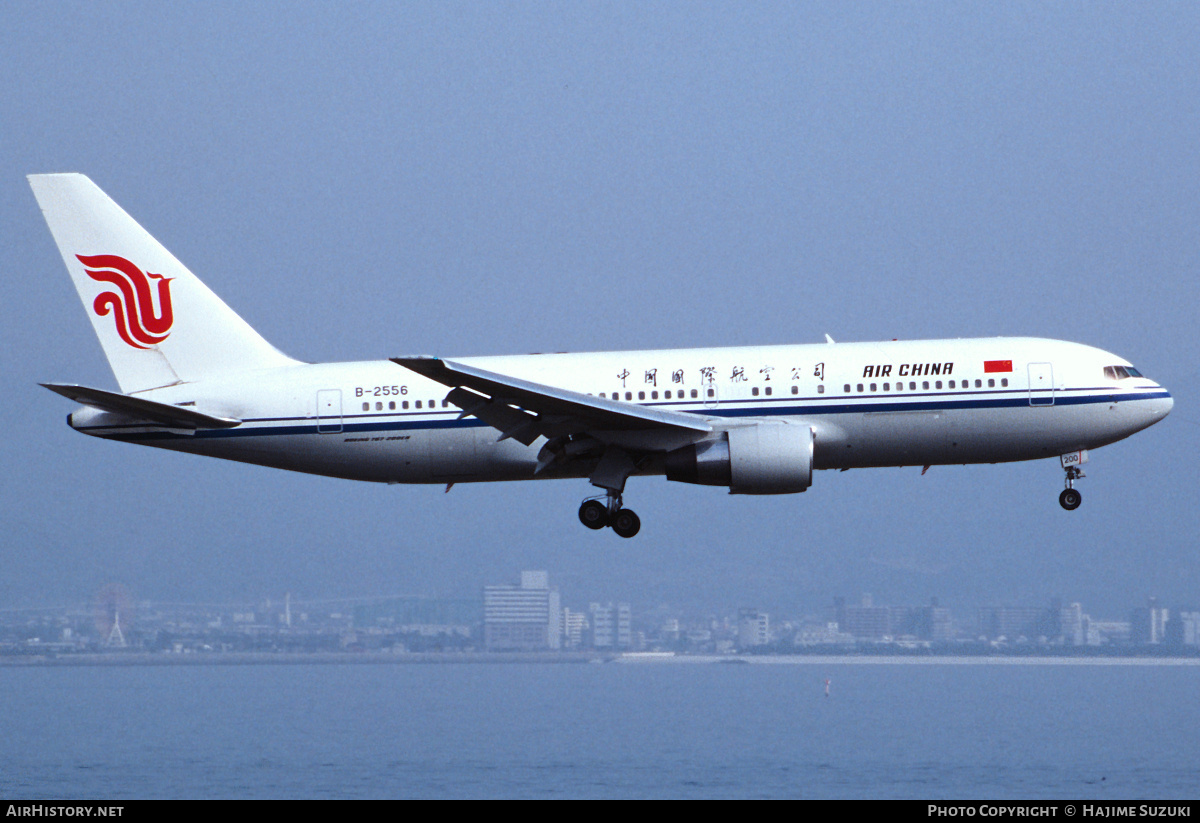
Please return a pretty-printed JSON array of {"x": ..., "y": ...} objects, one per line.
[{"x": 518, "y": 424}]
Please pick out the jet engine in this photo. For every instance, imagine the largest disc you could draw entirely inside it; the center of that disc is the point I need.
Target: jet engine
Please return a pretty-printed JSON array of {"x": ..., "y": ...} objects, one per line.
[{"x": 759, "y": 458}]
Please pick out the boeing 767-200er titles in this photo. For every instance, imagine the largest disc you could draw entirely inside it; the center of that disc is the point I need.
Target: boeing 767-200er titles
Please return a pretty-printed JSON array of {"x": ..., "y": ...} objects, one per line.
[{"x": 195, "y": 377}]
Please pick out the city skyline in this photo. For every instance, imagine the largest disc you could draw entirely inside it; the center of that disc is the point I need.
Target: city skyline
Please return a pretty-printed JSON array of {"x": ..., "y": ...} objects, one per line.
[{"x": 537, "y": 594}]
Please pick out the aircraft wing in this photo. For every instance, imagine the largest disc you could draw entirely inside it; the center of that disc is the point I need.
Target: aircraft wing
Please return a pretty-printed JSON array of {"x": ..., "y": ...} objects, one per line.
[
  {"x": 162, "y": 413},
  {"x": 524, "y": 410}
]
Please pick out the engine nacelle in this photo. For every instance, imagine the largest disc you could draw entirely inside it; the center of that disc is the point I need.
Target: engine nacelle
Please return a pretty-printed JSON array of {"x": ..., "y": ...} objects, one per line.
[{"x": 762, "y": 458}]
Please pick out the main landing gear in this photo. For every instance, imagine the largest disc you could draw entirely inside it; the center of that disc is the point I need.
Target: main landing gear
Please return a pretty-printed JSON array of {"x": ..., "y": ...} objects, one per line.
[{"x": 606, "y": 510}]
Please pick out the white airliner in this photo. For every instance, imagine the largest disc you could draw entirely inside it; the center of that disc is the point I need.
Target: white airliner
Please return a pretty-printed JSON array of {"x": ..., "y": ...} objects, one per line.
[{"x": 195, "y": 377}]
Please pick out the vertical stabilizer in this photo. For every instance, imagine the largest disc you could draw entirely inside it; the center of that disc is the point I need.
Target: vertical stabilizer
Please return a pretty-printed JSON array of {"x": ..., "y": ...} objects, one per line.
[{"x": 157, "y": 322}]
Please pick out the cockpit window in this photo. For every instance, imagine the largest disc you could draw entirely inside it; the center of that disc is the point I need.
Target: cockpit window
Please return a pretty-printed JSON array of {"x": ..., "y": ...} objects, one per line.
[{"x": 1120, "y": 372}]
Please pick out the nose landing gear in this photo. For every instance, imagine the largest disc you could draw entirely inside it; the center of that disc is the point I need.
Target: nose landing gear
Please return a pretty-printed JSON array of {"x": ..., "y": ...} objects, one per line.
[
  {"x": 1070, "y": 497},
  {"x": 606, "y": 510}
]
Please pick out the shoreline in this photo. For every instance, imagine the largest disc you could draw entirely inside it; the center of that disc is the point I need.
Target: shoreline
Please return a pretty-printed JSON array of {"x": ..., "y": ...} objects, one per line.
[{"x": 572, "y": 658}]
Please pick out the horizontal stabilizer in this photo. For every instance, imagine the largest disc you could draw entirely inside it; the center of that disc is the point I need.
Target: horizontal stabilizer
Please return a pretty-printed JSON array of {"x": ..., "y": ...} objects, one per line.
[{"x": 164, "y": 413}]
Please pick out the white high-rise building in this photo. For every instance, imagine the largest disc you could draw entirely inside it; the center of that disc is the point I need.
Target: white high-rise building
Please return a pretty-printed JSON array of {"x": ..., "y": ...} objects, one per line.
[
  {"x": 1189, "y": 628},
  {"x": 754, "y": 628},
  {"x": 522, "y": 618},
  {"x": 1074, "y": 622},
  {"x": 574, "y": 626},
  {"x": 611, "y": 626},
  {"x": 1149, "y": 624}
]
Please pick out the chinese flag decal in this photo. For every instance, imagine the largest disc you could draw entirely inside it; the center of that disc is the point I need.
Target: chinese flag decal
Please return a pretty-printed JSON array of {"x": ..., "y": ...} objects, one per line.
[{"x": 993, "y": 366}]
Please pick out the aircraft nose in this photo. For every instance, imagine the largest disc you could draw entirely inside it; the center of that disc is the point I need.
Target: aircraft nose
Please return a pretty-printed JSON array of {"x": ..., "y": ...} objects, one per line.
[{"x": 1161, "y": 406}]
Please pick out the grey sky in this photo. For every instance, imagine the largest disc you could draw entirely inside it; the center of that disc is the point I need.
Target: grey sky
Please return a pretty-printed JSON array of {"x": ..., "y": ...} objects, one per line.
[{"x": 367, "y": 180}]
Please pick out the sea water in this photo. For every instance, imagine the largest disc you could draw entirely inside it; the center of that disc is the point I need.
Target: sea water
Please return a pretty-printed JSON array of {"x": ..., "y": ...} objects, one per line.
[{"x": 467, "y": 730}]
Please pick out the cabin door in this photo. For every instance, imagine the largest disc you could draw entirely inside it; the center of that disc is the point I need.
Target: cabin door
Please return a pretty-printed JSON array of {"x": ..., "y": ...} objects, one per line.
[
  {"x": 329, "y": 411},
  {"x": 1041, "y": 384}
]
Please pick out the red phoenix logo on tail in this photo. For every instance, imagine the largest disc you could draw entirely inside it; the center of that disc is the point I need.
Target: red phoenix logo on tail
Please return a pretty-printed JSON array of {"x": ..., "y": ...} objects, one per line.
[{"x": 138, "y": 322}]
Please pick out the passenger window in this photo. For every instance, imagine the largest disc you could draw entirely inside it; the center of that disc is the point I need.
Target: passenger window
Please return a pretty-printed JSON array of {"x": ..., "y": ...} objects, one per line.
[
  {"x": 1004, "y": 382},
  {"x": 951, "y": 384},
  {"x": 820, "y": 389},
  {"x": 991, "y": 383},
  {"x": 404, "y": 404},
  {"x": 628, "y": 395},
  {"x": 860, "y": 387},
  {"x": 925, "y": 384},
  {"x": 418, "y": 404},
  {"x": 846, "y": 388},
  {"x": 938, "y": 384},
  {"x": 978, "y": 383},
  {"x": 641, "y": 395},
  {"x": 754, "y": 391},
  {"x": 711, "y": 393},
  {"x": 392, "y": 406},
  {"x": 653, "y": 395},
  {"x": 693, "y": 392},
  {"x": 796, "y": 389},
  {"x": 887, "y": 386},
  {"x": 379, "y": 405},
  {"x": 912, "y": 386},
  {"x": 768, "y": 391},
  {"x": 366, "y": 406}
]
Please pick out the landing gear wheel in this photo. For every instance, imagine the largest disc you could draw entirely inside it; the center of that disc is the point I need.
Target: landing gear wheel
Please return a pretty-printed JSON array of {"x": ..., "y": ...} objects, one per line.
[
  {"x": 1070, "y": 499},
  {"x": 593, "y": 514},
  {"x": 625, "y": 523}
]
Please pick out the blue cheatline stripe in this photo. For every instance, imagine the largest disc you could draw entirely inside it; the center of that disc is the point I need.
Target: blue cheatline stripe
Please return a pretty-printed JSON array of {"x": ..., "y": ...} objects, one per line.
[
  {"x": 1021, "y": 400},
  {"x": 1016, "y": 398}
]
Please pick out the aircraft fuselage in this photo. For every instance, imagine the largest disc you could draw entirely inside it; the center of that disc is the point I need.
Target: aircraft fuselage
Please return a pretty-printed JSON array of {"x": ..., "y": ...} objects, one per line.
[{"x": 900, "y": 403}]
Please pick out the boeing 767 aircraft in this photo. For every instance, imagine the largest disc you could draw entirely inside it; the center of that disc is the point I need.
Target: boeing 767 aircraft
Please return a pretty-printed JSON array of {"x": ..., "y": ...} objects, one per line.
[{"x": 195, "y": 377}]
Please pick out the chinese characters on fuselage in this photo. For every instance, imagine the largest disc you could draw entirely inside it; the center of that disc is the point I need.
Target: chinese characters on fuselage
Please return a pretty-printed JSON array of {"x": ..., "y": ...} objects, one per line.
[{"x": 738, "y": 374}]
